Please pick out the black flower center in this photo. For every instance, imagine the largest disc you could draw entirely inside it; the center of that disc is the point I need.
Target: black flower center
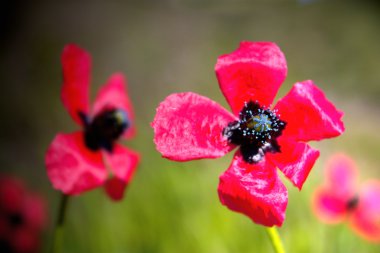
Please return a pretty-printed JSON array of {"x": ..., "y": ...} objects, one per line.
[
  {"x": 352, "y": 203},
  {"x": 255, "y": 132},
  {"x": 6, "y": 247},
  {"x": 105, "y": 129},
  {"x": 15, "y": 219}
]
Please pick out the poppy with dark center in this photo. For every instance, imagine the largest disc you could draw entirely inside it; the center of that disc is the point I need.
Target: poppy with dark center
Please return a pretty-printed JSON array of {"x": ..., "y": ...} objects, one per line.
[
  {"x": 341, "y": 199},
  {"x": 255, "y": 132},
  {"x": 188, "y": 126},
  {"x": 90, "y": 158},
  {"x": 23, "y": 217}
]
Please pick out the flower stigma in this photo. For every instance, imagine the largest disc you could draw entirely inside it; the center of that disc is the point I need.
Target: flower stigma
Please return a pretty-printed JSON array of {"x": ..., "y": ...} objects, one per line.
[
  {"x": 260, "y": 123},
  {"x": 105, "y": 129},
  {"x": 255, "y": 132}
]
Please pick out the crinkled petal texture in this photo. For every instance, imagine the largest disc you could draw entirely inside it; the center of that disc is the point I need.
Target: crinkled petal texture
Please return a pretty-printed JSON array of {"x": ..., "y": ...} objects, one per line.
[
  {"x": 113, "y": 95},
  {"x": 76, "y": 64},
  {"x": 331, "y": 199},
  {"x": 295, "y": 160},
  {"x": 254, "y": 190},
  {"x": 254, "y": 71},
  {"x": 309, "y": 114},
  {"x": 123, "y": 163},
  {"x": 188, "y": 126},
  {"x": 365, "y": 220},
  {"x": 72, "y": 167}
]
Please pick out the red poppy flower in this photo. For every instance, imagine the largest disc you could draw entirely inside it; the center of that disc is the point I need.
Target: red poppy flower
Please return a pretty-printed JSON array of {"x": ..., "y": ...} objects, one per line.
[
  {"x": 22, "y": 217},
  {"x": 340, "y": 198},
  {"x": 188, "y": 126},
  {"x": 83, "y": 160}
]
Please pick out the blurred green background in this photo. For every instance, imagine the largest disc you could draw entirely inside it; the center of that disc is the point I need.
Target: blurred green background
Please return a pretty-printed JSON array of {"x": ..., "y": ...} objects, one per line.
[{"x": 172, "y": 46}]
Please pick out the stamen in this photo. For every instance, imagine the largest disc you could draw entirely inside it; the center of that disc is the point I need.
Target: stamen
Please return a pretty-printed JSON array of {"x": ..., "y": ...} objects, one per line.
[
  {"x": 256, "y": 131},
  {"x": 105, "y": 129}
]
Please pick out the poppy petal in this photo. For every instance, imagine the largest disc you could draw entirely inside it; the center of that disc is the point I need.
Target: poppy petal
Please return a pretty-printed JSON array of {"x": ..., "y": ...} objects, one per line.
[
  {"x": 12, "y": 194},
  {"x": 254, "y": 190},
  {"x": 113, "y": 95},
  {"x": 115, "y": 188},
  {"x": 25, "y": 240},
  {"x": 122, "y": 162},
  {"x": 253, "y": 72},
  {"x": 5, "y": 228},
  {"x": 365, "y": 220},
  {"x": 35, "y": 211},
  {"x": 328, "y": 207},
  {"x": 71, "y": 166},
  {"x": 76, "y": 64},
  {"x": 341, "y": 176},
  {"x": 295, "y": 160},
  {"x": 188, "y": 126},
  {"x": 309, "y": 114}
]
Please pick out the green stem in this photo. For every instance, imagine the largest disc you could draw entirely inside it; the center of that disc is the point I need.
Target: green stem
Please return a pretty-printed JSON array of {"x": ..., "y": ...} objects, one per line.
[
  {"x": 275, "y": 240},
  {"x": 58, "y": 233}
]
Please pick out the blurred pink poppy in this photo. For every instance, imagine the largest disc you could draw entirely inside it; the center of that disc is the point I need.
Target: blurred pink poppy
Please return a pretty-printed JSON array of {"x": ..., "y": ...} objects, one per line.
[
  {"x": 341, "y": 199},
  {"x": 23, "y": 217},
  {"x": 86, "y": 159}
]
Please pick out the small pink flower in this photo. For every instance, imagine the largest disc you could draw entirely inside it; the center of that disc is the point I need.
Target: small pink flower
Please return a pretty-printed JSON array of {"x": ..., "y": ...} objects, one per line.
[
  {"x": 188, "y": 126},
  {"x": 340, "y": 199},
  {"x": 23, "y": 217},
  {"x": 83, "y": 160}
]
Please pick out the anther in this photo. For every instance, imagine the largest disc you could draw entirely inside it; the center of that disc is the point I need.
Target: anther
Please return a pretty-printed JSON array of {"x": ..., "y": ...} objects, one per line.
[{"x": 256, "y": 130}]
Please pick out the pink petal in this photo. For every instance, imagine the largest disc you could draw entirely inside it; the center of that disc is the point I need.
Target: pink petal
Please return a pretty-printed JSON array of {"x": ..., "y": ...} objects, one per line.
[
  {"x": 188, "y": 126},
  {"x": 308, "y": 113},
  {"x": 254, "y": 190},
  {"x": 5, "y": 228},
  {"x": 76, "y": 65},
  {"x": 115, "y": 188},
  {"x": 114, "y": 95},
  {"x": 365, "y": 220},
  {"x": 12, "y": 194},
  {"x": 25, "y": 240},
  {"x": 35, "y": 211},
  {"x": 254, "y": 71},
  {"x": 328, "y": 207},
  {"x": 71, "y": 166},
  {"x": 122, "y": 162},
  {"x": 295, "y": 160},
  {"x": 341, "y": 176}
]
